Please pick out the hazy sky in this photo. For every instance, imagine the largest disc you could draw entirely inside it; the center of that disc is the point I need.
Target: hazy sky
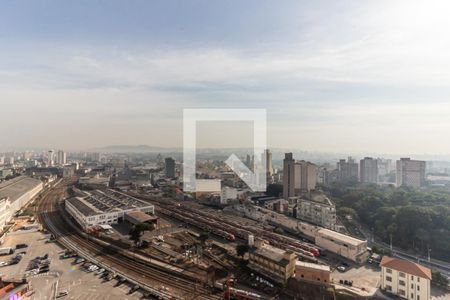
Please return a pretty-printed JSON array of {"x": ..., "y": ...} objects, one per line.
[{"x": 333, "y": 75}]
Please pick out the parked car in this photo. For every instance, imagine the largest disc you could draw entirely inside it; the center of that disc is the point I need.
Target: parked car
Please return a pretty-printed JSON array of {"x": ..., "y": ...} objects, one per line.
[
  {"x": 20, "y": 246},
  {"x": 341, "y": 269},
  {"x": 62, "y": 294},
  {"x": 3, "y": 263}
]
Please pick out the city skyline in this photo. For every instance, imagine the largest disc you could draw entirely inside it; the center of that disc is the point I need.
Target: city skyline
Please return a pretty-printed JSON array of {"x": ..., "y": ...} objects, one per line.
[{"x": 340, "y": 77}]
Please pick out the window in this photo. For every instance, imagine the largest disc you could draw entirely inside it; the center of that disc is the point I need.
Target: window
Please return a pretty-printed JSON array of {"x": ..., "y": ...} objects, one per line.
[
  {"x": 401, "y": 292},
  {"x": 418, "y": 287},
  {"x": 418, "y": 297},
  {"x": 388, "y": 288},
  {"x": 412, "y": 296},
  {"x": 402, "y": 274},
  {"x": 388, "y": 271},
  {"x": 412, "y": 285},
  {"x": 412, "y": 277},
  {"x": 418, "y": 279},
  {"x": 388, "y": 278},
  {"x": 401, "y": 282}
]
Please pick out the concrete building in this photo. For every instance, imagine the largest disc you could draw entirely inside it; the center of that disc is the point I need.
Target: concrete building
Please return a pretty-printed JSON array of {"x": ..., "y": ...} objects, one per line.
[
  {"x": 267, "y": 155},
  {"x": 15, "y": 194},
  {"x": 343, "y": 245},
  {"x": 50, "y": 159},
  {"x": 368, "y": 168},
  {"x": 104, "y": 207},
  {"x": 170, "y": 167},
  {"x": 411, "y": 172},
  {"x": 61, "y": 158},
  {"x": 272, "y": 262},
  {"x": 317, "y": 209},
  {"x": 288, "y": 176},
  {"x": 312, "y": 272},
  {"x": 4, "y": 173},
  {"x": 347, "y": 170},
  {"x": 405, "y": 279},
  {"x": 299, "y": 177}
]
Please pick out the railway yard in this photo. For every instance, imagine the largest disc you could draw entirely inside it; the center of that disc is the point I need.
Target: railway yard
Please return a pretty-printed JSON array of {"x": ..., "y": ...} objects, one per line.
[
  {"x": 150, "y": 275},
  {"x": 188, "y": 255}
]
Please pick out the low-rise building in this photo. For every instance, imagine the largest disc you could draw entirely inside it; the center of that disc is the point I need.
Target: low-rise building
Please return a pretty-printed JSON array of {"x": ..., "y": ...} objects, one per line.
[
  {"x": 349, "y": 247},
  {"x": 272, "y": 262},
  {"x": 405, "y": 279},
  {"x": 312, "y": 272}
]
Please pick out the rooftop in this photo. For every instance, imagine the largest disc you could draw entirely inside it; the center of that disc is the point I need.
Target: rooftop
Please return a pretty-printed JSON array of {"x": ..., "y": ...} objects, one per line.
[
  {"x": 405, "y": 266},
  {"x": 83, "y": 207},
  {"x": 98, "y": 202},
  {"x": 340, "y": 237},
  {"x": 274, "y": 254},
  {"x": 137, "y": 217},
  {"x": 15, "y": 188},
  {"x": 313, "y": 266}
]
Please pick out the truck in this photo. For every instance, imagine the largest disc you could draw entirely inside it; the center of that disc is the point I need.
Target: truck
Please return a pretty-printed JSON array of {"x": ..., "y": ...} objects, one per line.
[{"x": 6, "y": 251}]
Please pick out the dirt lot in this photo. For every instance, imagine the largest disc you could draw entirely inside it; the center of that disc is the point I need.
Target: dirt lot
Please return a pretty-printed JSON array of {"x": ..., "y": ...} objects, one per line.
[{"x": 63, "y": 275}]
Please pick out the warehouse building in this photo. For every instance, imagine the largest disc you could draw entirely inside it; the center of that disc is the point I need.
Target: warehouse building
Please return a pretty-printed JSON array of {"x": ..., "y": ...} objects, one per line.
[
  {"x": 312, "y": 272},
  {"x": 343, "y": 245},
  {"x": 104, "y": 207}
]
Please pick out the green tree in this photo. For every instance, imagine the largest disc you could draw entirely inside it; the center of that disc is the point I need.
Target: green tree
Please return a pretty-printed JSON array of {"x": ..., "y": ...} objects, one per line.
[
  {"x": 439, "y": 279},
  {"x": 138, "y": 229}
]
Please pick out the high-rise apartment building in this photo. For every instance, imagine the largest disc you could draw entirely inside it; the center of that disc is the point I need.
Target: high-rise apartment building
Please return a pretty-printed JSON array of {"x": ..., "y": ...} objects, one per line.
[
  {"x": 288, "y": 176},
  {"x": 368, "y": 168},
  {"x": 347, "y": 170},
  {"x": 61, "y": 157},
  {"x": 410, "y": 172},
  {"x": 298, "y": 176},
  {"x": 267, "y": 155},
  {"x": 170, "y": 167},
  {"x": 50, "y": 159}
]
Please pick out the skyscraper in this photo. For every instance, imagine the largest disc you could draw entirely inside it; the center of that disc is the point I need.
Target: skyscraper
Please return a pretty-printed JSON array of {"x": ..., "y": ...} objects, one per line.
[
  {"x": 50, "y": 158},
  {"x": 170, "y": 167},
  {"x": 410, "y": 172},
  {"x": 267, "y": 155},
  {"x": 368, "y": 168},
  {"x": 288, "y": 176}
]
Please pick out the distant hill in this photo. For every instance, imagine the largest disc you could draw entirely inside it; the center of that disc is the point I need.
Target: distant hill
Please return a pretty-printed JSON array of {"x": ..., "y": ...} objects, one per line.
[{"x": 135, "y": 149}]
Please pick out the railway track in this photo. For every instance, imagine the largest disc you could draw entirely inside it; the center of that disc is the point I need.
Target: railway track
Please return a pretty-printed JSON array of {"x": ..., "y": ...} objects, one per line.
[{"x": 51, "y": 218}]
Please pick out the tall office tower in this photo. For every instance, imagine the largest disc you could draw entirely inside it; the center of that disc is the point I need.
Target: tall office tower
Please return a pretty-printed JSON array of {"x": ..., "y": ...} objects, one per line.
[
  {"x": 2, "y": 160},
  {"x": 410, "y": 172},
  {"x": 288, "y": 176},
  {"x": 170, "y": 167},
  {"x": 347, "y": 170},
  {"x": 267, "y": 155},
  {"x": 62, "y": 157},
  {"x": 368, "y": 168},
  {"x": 50, "y": 158}
]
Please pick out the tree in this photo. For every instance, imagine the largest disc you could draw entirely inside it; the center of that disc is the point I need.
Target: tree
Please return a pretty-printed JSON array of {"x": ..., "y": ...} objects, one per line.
[
  {"x": 439, "y": 279},
  {"x": 241, "y": 249},
  {"x": 138, "y": 229}
]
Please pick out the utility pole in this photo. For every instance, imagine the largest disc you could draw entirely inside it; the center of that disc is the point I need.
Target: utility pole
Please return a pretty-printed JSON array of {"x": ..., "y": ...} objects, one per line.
[{"x": 429, "y": 252}]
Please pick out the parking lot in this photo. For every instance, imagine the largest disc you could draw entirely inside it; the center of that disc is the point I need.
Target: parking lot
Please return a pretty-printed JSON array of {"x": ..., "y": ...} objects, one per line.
[
  {"x": 365, "y": 279},
  {"x": 62, "y": 274}
]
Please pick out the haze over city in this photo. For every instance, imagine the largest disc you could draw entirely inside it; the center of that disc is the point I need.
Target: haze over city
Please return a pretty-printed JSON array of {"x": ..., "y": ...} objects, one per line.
[{"x": 347, "y": 76}]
